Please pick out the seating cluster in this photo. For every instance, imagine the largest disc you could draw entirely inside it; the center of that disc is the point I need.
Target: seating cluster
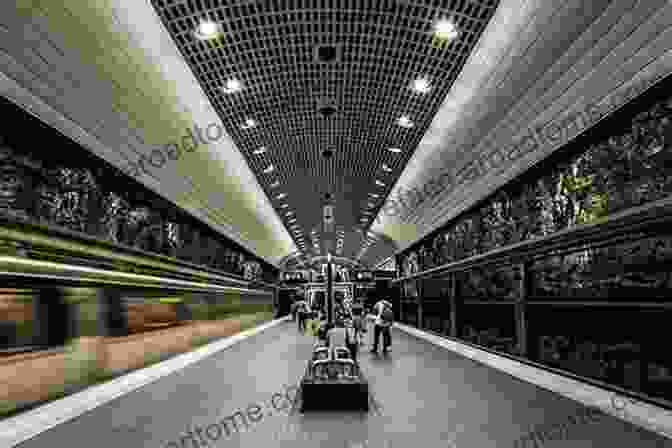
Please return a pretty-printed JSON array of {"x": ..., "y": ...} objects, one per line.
[{"x": 333, "y": 363}]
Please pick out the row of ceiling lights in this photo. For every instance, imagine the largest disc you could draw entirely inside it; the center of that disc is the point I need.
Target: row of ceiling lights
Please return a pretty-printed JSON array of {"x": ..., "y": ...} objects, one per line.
[
  {"x": 444, "y": 30},
  {"x": 208, "y": 30}
]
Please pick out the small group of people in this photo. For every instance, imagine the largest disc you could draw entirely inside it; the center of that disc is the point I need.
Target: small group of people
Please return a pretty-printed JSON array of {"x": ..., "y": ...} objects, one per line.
[{"x": 352, "y": 333}]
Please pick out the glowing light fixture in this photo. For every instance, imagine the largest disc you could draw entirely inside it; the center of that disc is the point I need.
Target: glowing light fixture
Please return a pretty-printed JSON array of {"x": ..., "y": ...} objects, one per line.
[
  {"x": 249, "y": 124},
  {"x": 405, "y": 122},
  {"x": 421, "y": 85},
  {"x": 386, "y": 168},
  {"x": 395, "y": 150},
  {"x": 260, "y": 150},
  {"x": 269, "y": 169},
  {"x": 284, "y": 206},
  {"x": 208, "y": 30},
  {"x": 275, "y": 184},
  {"x": 232, "y": 86},
  {"x": 281, "y": 196},
  {"x": 379, "y": 183},
  {"x": 445, "y": 30}
]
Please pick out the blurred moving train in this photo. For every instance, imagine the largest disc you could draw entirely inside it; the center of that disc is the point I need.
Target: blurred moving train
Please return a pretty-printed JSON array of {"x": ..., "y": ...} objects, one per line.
[{"x": 77, "y": 311}]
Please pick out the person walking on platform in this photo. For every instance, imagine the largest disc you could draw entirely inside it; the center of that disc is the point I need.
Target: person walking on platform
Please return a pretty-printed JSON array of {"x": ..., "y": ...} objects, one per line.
[
  {"x": 384, "y": 317},
  {"x": 358, "y": 321},
  {"x": 302, "y": 309}
]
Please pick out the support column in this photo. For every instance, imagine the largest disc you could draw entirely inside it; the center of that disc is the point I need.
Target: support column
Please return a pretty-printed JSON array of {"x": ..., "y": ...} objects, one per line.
[
  {"x": 521, "y": 323},
  {"x": 419, "y": 313},
  {"x": 453, "y": 305},
  {"x": 402, "y": 301},
  {"x": 330, "y": 298}
]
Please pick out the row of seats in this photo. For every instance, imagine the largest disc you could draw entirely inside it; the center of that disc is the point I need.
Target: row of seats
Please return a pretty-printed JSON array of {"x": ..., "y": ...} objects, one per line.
[{"x": 333, "y": 363}]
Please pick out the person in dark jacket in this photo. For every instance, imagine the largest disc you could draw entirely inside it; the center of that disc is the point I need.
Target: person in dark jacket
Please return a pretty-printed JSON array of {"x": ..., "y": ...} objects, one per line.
[
  {"x": 384, "y": 319},
  {"x": 302, "y": 310}
]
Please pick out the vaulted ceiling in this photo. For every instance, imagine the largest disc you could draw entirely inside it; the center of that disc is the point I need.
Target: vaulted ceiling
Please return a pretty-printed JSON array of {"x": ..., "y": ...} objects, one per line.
[
  {"x": 325, "y": 84},
  {"x": 291, "y": 79}
]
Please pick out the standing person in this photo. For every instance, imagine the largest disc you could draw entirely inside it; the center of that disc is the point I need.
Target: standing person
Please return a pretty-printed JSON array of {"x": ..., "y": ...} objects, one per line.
[
  {"x": 358, "y": 321},
  {"x": 302, "y": 310},
  {"x": 351, "y": 339},
  {"x": 383, "y": 321},
  {"x": 323, "y": 332},
  {"x": 294, "y": 309}
]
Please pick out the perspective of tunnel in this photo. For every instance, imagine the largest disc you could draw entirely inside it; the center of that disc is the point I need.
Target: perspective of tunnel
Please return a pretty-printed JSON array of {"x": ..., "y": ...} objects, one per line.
[{"x": 362, "y": 154}]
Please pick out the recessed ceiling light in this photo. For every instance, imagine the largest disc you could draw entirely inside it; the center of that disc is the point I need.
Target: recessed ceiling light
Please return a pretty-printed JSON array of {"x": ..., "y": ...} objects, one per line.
[
  {"x": 281, "y": 196},
  {"x": 232, "y": 86},
  {"x": 445, "y": 30},
  {"x": 421, "y": 85},
  {"x": 379, "y": 183},
  {"x": 374, "y": 195},
  {"x": 405, "y": 122},
  {"x": 249, "y": 124},
  {"x": 260, "y": 150},
  {"x": 208, "y": 30},
  {"x": 269, "y": 169},
  {"x": 275, "y": 184},
  {"x": 284, "y": 206},
  {"x": 395, "y": 150},
  {"x": 386, "y": 168},
  {"x": 289, "y": 213}
]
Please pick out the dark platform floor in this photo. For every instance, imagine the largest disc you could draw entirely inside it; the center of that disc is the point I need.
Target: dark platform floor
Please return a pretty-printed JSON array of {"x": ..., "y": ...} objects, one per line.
[{"x": 428, "y": 397}]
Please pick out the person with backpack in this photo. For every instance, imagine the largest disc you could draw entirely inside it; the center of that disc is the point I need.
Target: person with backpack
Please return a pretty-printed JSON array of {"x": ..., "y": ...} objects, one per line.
[
  {"x": 302, "y": 310},
  {"x": 382, "y": 324}
]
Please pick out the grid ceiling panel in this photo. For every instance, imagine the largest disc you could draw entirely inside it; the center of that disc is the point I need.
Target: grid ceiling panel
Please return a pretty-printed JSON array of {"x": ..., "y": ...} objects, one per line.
[{"x": 269, "y": 46}]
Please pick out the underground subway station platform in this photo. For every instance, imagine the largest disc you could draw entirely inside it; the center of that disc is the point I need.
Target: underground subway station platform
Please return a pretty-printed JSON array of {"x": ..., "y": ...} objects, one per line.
[{"x": 335, "y": 223}]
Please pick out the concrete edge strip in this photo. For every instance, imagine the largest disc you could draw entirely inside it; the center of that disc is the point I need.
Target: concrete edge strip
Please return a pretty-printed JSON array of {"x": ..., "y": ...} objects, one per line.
[
  {"x": 22, "y": 427},
  {"x": 647, "y": 416}
]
